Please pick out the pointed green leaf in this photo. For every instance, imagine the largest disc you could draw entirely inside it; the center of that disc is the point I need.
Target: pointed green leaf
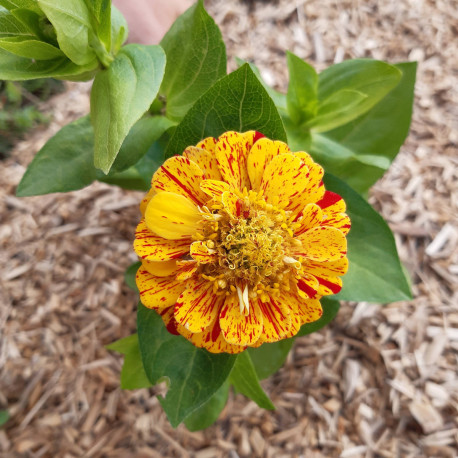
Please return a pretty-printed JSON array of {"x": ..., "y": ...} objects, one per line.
[
  {"x": 194, "y": 374},
  {"x": 120, "y": 96},
  {"x": 129, "y": 275},
  {"x": 270, "y": 357},
  {"x": 383, "y": 129},
  {"x": 30, "y": 48},
  {"x": 133, "y": 374},
  {"x": 236, "y": 102},
  {"x": 337, "y": 109},
  {"x": 302, "y": 89},
  {"x": 72, "y": 23},
  {"x": 26, "y": 4},
  {"x": 373, "y": 78},
  {"x": 375, "y": 273},
  {"x": 10, "y": 26},
  {"x": 245, "y": 380},
  {"x": 206, "y": 415},
  {"x": 196, "y": 58}
]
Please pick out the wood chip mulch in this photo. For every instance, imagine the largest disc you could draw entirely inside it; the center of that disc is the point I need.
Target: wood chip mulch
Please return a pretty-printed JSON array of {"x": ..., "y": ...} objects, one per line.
[{"x": 381, "y": 381}]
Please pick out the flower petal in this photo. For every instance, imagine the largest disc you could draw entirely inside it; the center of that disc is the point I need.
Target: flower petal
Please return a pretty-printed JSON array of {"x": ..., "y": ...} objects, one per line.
[
  {"x": 185, "y": 270},
  {"x": 232, "y": 204},
  {"x": 332, "y": 268},
  {"x": 238, "y": 328},
  {"x": 158, "y": 292},
  {"x": 169, "y": 320},
  {"x": 201, "y": 253},
  {"x": 208, "y": 144},
  {"x": 328, "y": 285},
  {"x": 340, "y": 221},
  {"x": 322, "y": 243},
  {"x": 311, "y": 216},
  {"x": 144, "y": 203},
  {"x": 296, "y": 321},
  {"x": 212, "y": 339},
  {"x": 205, "y": 160},
  {"x": 260, "y": 155},
  {"x": 197, "y": 306},
  {"x": 172, "y": 216},
  {"x": 332, "y": 203},
  {"x": 214, "y": 188},
  {"x": 160, "y": 269},
  {"x": 307, "y": 286},
  {"x": 231, "y": 152},
  {"x": 276, "y": 318},
  {"x": 181, "y": 176},
  {"x": 154, "y": 248},
  {"x": 285, "y": 177},
  {"x": 310, "y": 310}
]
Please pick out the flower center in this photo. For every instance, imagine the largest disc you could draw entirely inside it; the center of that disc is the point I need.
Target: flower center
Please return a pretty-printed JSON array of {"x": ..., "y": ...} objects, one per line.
[{"x": 253, "y": 241}]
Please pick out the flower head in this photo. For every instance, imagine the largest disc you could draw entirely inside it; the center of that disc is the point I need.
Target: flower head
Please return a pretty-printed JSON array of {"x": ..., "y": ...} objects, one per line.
[{"x": 239, "y": 241}]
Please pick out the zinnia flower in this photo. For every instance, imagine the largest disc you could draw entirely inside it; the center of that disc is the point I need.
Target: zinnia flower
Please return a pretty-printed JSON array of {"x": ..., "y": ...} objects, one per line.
[{"x": 239, "y": 241}]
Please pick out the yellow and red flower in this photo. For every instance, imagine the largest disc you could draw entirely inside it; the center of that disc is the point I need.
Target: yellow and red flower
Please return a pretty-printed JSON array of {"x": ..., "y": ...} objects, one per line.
[{"x": 239, "y": 241}]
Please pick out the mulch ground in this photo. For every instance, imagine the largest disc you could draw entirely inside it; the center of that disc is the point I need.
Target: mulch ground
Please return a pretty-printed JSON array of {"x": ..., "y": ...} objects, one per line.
[{"x": 380, "y": 381}]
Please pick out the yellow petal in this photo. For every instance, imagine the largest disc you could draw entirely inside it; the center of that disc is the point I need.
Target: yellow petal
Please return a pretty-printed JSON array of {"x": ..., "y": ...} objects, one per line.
[
  {"x": 181, "y": 176},
  {"x": 172, "y": 216},
  {"x": 158, "y": 292},
  {"x": 310, "y": 217},
  {"x": 328, "y": 285},
  {"x": 151, "y": 247},
  {"x": 213, "y": 341},
  {"x": 160, "y": 269},
  {"x": 144, "y": 203},
  {"x": 276, "y": 318},
  {"x": 197, "y": 306},
  {"x": 307, "y": 286},
  {"x": 168, "y": 318},
  {"x": 309, "y": 310},
  {"x": 332, "y": 203},
  {"x": 322, "y": 243},
  {"x": 186, "y": 269},
  {"x": 260, "y": 155},
  {"x": 231, "y": 203},
  {"x": 340, "y": 221},
  {"x": 205, "y": 160},
  {"x": 333, "y": 268},
  {"x": 214, "y": 188},
  {"x": 285, "y": 177},
  {"x": 231, "y": 152},
  {"x": 208, "y": 144},
  {"x": 238, "y": 328},
  {"x": 296, "y": 322},
  {"x": 201, "y": 253}
]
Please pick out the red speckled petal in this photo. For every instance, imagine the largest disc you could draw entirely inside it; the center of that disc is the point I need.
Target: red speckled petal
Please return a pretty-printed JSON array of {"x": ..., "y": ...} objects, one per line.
[
  {"x": 231, "y": 153},
  {"x": 158, "y": 292},
  {"x": 154, "y": 248},
  {"x": 261, "y": 154},
  {"x": 307, "y": 286},
  {"x": 202, "y": 254},
  {"x": 208, "y": 144},
  {"x": 238, "y": 328},
  {"x": 144, "y": 203},
  {"x": 205, "y": 160},
  {"x": 276, "y": 318},
  {"x": 332, "y": 268},
  {"x": 310, "y": 217},
  {"x": 322, "y": 243},
  {"x": 185, "y": 270},
  {"x": 161, "y": 268},
  {"x": 180, "y": 176},
  {"x": 197, "y": 306},
  {"x": 214, "y": 188}
]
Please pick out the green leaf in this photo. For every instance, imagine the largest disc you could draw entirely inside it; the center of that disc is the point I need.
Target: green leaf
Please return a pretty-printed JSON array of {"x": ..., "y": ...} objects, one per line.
[
  {"x": 383, "y": 129},
  {"x": 358, "y": 171},
  {"x": 129, "y": 275},
  {"x": 63, "y": 164},
  {"x": 15, "y": 68},
  {"x": 127, "y": 179},
  {"x": 206, "y": 415},
  {"x": 236, "y": 102},
  {"x": 4, "y": 417},
  {"x": 196, "y": 58},
  {"x": 330, "y": 309},
  {"x": 245, "y": 380},
  {"x": 10, "y": 26},
  {"x": 270, "y": 357},
  {"x": 26, "y": 4},
  {"x": 373, "y": 78},
  {"x": 302, "y": 89},
  {"x": 337, "y": 109},
  {"x": 133, "y": 374},
  {"x": 32, "y": 49},
  {"x": 120, "y": 96},
  {"x": 141, "y": 136},
  {"x": 101, "y": 12},
  {"x": 194, "y": 374},
  {"x": 72, "y": 23},
  {"x": 375, "y": 273},
  {"x": 119, "y": 30}
]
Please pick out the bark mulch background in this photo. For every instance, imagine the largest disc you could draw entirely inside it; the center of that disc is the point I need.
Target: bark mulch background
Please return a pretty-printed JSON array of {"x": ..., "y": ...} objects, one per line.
[{"x": 380, "y": 381}]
